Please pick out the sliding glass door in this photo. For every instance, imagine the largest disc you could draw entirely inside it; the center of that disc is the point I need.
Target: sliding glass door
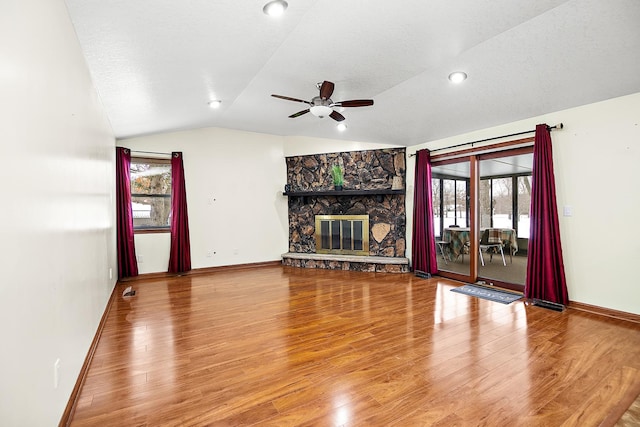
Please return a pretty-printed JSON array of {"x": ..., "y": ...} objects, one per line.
[{"x": 481, "y": 216}]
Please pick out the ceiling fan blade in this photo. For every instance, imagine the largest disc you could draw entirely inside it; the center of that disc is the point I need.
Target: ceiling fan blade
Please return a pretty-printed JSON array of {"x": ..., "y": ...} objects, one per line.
[
  {"x": 355, "y": 103},
  {"x": 336, "y": 116},
  {"x": 326, "y": 90},
  {"x": 288, "y": 98},
  {"x": 299, "y": 113}
]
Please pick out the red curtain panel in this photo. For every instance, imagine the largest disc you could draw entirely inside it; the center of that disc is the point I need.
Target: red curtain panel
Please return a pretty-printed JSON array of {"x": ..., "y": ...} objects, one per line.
[
  {"x": 127, "y": 264},
  {"x": 423, "y": 244},
  {"x": 545, "y": 269},
  {"x": 180, "y": 255}
]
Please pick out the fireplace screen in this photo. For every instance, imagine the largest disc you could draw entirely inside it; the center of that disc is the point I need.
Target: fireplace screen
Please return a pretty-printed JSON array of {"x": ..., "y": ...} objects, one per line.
[{"x": 342, "y": 234}]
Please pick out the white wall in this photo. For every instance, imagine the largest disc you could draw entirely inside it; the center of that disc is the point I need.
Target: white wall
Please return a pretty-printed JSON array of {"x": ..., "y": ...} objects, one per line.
[
  {"x": 596, "y": 160},
  {"x": 57, "y": 213},
  {"x": 234, "y": 182}
]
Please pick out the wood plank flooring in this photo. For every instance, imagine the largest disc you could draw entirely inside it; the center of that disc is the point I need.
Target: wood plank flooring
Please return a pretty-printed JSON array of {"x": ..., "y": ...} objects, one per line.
[{"x": 282, "y": 346}]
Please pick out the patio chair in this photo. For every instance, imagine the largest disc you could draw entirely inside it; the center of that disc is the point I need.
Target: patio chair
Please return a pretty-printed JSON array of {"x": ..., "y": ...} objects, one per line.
[
  {"x": 490, "y": 243},
  {"x": 443, "y": 244}
]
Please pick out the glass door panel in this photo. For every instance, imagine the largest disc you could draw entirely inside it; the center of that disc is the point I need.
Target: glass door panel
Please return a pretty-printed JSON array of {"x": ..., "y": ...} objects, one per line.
[
  {"x": 504, "y": 198},
  {"x": 451, "y": 208}
]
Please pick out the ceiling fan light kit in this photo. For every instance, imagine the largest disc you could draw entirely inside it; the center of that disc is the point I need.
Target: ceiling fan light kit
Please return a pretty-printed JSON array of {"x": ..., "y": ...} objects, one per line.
[
  {"x": 322, "y": 105},
  {"x": 321, "y": 110}
]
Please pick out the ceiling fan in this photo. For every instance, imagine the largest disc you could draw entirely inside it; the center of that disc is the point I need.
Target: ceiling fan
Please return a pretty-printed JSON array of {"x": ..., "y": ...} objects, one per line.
[{"x": 322, "y": 105}]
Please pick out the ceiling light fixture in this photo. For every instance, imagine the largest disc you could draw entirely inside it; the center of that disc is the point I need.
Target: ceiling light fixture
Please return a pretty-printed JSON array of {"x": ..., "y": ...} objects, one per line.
[
  {"x": 457, "y": 77},
  {"x": 321, "y": 110},
  {"x": 342, "y": 126},
  {"x": 215, "y": 103},
  {"x": 275, "y": 7}
]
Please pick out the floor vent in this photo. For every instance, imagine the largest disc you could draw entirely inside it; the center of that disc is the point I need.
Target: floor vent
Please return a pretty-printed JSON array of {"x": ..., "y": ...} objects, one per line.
[
  {"x": 422, "y": 274},
  {"x": 548, "y": 304},
  {"x": 128, "y": 292}
]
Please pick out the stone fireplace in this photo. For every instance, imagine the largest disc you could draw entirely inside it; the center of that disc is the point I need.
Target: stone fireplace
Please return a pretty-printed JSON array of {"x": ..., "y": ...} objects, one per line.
[{"x": 374, "y": 188}]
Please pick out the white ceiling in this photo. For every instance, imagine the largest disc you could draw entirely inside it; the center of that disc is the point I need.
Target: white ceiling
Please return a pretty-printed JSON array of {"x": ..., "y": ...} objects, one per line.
[{"x": 156, "y": 63}]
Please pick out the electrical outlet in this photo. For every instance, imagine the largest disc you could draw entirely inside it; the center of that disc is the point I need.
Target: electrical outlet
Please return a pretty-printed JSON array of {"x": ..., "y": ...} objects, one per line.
[
  {"x": 56, "y": 373},
  {"x": 209, "y": 254},
  {"x": 235, "y": 251},
  {"x": 140, "y": 259}
]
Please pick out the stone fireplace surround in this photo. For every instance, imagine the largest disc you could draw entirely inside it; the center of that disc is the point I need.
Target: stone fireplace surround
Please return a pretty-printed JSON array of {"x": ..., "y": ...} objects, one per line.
[{"x": 374, "y": 185}]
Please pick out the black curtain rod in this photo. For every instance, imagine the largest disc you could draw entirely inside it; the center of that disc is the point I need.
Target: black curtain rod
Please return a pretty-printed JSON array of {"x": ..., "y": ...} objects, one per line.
[{"x": 558, "y": 126}]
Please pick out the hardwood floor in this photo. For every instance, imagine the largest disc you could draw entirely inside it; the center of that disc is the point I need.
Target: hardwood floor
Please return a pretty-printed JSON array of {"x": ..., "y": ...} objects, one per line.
[
  {"x": 631, "y": 418},
  {"x": 282, "y": 346}
]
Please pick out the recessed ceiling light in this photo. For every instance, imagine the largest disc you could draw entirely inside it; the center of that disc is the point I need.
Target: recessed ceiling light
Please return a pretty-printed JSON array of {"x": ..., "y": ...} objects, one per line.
[
  {"x": 457, "y": 77},
  {"x": 275, "y": 7},
  {"x": 341, "y": 126},
  {"x": 215, "y": 103}
]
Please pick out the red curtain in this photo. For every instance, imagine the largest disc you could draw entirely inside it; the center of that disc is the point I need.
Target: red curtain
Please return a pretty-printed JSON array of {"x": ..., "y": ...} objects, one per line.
[
  {"x": 127, "y": 264},
  {"x": 545, "y": 269},
  {"x": 180, "y": 255},
  {"x": 423, "y": 244}
]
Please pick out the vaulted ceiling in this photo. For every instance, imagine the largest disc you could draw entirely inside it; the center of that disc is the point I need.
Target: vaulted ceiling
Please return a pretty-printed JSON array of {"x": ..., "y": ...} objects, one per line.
[{"x": 157, "y": 63}]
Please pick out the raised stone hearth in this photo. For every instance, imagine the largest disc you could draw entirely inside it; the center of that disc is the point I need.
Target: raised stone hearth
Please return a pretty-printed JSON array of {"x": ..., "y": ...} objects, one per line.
[
  {"x": 370, "y": 176},
  {"x": 347, "y": 262}
]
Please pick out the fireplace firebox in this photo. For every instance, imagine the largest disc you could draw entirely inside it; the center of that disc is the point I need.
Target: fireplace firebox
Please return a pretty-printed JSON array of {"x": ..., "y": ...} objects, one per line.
[{"x": 342, "y": 234}]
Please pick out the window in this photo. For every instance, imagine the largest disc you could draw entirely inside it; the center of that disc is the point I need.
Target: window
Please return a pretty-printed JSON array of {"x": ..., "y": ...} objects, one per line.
[
  {"x": 151, "y": 193},
  {"x": 523, "y": 205},
  {"x": 498, "y": 202},
  {"x": 436, "y": 196},
  {"x": 450, "y": 203}
]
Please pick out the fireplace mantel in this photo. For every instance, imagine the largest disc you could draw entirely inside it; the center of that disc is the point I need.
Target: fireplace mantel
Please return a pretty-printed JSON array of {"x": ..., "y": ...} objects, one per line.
[
  {"x": 343, "y": 193},
  {"x": 337, "y": 193}
]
